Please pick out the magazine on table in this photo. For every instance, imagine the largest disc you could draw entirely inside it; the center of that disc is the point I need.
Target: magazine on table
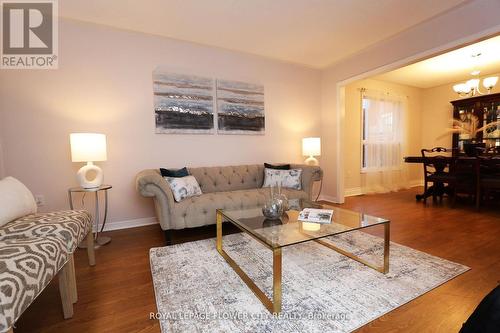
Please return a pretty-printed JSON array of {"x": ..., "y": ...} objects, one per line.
[{"x": 322, "y": 216}]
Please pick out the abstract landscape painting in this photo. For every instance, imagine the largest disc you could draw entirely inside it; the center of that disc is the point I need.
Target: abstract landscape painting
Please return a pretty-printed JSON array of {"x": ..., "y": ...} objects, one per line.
[
  {"x": 183, "y": 103},
  {"x": 240, "y": 108}
]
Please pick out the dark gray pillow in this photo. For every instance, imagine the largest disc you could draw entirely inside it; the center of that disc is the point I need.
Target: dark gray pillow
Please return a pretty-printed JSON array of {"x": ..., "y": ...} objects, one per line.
[
  {"x": 174, "y": 173},
  {"x": 277, "y": 166}
]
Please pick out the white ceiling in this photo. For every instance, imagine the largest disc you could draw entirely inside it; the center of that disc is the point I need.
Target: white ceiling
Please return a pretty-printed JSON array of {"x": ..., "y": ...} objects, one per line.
[
  {"x": 315, "y": 33},
  {"x": 450, "y": 67}
]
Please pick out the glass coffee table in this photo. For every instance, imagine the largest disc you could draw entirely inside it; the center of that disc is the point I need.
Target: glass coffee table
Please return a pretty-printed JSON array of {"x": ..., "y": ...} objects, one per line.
[{"x": 276, "y": 234}]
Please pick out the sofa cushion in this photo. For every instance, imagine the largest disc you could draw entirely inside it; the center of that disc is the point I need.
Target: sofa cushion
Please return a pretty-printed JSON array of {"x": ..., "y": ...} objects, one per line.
[
  {"x": 174, "y": 172},
  {"x": 184, "y": 187},
  {"x": 201, "y": 210},
  {"x": 284, "y": 178},
  {"x": 26, "y": 267},
  {"x": 277, "y": 166},
  {"x": 16, "y": 200},
  {"x": 71, "y": 226}
]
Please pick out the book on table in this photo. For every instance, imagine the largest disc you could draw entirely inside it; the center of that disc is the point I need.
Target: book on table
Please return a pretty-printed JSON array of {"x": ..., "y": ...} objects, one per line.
[{"x": 314, "y": 215}]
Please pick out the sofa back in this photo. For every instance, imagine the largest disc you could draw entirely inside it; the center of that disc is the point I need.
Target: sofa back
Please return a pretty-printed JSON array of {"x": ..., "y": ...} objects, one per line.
[{"x": 229, "y": 178}]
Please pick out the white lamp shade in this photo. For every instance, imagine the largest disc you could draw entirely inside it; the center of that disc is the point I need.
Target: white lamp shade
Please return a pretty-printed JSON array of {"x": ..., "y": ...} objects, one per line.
[
  {"x": 461, "y": 88},
  {"x": 490, "y": 82},
  {"x": 472, "y": 83},
  {"x": 311, "y": 147},
  {"x": 88, "y": 147}
]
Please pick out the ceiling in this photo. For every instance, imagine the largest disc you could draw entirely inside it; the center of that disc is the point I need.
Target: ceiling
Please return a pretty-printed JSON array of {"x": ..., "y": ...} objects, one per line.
[
  {"x": 315, "y": 33},
  {"x": 450, "y": 67}
]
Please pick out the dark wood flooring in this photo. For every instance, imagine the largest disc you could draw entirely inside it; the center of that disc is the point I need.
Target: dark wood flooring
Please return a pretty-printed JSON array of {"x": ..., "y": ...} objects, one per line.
[{"x": 117, "y": 294}]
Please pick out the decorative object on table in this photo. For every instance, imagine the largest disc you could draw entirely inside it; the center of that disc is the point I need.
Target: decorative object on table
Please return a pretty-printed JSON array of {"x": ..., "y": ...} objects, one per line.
[
  {"x": 99, "y": 240},
  {"x": 240, "y": 108},
  {"x": 273, "y": 208},
  {"x": 183, "y": 172},
  {"x": 281, "y": 197},
  {"x": 183, "y": 103},
  {"x": 315, "y": 215},
  {"x": 183, "y": 187},
  {"x": 88, "y": 147},
  {"x": 331, "y": 284},
  {"x": 467, "y": 127},
  {"x": 285, "y": 178},
  {"x": 311, "y": 147},
  {"x": 276, "y": 205}
]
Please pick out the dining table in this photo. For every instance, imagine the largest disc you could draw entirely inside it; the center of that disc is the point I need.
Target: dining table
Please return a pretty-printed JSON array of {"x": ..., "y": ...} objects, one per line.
[{"x": 440, "y": 163}]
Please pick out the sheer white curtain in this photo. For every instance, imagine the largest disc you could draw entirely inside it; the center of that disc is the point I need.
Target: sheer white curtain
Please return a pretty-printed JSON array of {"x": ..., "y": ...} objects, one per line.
[{"x": 384, "y": 142}]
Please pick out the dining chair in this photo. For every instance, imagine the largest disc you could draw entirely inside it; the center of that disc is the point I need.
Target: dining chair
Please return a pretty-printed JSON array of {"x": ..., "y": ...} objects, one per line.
[
  {"x": 438, "y": 166},
  {"x": 488, "y": 177}
]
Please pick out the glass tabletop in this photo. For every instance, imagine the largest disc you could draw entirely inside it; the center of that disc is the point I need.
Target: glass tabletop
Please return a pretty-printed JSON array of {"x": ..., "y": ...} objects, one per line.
[{"x": 289, "y": 231}]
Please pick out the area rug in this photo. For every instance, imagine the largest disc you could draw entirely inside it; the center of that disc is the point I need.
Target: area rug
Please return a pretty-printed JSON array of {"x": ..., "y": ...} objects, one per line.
[{"x": 323, "y": 291}]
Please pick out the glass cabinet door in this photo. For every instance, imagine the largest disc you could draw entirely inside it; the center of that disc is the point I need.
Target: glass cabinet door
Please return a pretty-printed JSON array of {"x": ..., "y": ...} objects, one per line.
[{"x": 491, "y": 135}]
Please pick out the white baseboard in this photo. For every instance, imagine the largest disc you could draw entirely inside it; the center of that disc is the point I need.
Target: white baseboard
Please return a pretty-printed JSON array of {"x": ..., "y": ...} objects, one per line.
[
  {"x": 350, "y": 192},
  {"x": 116, "y": 225},
  {"x": 415, "y": 183},
  {"x": 328, "y": 198}
]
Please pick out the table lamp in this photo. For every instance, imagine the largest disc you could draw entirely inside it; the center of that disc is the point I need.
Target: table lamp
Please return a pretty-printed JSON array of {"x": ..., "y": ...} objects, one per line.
[
  {"x": 311, "y": 147},
  {"x": 88, "y": 147}
]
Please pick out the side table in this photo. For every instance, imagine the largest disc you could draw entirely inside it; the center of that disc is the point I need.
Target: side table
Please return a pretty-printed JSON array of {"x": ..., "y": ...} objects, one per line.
[{"x": 98, "y": 239}]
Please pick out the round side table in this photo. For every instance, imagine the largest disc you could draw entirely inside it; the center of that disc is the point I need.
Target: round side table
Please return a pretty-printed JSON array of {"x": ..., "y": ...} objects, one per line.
[{"x": 98, "y": 239}]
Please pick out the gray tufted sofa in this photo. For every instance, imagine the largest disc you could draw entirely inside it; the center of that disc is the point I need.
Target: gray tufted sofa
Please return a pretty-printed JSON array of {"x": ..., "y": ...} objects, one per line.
[{"x": 227, "y": 187}]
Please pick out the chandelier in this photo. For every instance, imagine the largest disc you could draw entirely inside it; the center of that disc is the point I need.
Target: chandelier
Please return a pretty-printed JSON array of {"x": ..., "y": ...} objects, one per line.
[{"x": 471, "y": 87}]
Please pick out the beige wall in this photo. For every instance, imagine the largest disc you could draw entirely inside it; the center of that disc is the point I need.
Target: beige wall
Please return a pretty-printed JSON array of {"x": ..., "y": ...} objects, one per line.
[
  {"x": 2, "y": 169},
  {"x": 437, "y": 113},
  {"x": 104, "y": 84},
  {"x": 352, "y": 133},
  {"x": 437, "y": 34}
]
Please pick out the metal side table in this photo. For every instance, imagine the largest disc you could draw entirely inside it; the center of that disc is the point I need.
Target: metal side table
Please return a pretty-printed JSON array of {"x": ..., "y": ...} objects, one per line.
[{"x": 98, "y": 239}]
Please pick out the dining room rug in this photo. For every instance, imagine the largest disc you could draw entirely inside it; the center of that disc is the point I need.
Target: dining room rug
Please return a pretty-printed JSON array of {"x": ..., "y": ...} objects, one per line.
[{"x": 323, "y": 291}]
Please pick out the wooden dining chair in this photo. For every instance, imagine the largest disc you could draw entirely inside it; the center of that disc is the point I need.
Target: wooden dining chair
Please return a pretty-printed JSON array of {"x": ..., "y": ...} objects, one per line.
[
  {"x": 488, "y": 177},
  {"x": 438, "y": 166}
]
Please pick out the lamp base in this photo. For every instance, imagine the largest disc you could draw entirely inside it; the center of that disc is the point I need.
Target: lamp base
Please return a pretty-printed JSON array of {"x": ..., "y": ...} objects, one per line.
[
  {"x": 311, "y": 161},
  {"x": 85, "y": 182}
]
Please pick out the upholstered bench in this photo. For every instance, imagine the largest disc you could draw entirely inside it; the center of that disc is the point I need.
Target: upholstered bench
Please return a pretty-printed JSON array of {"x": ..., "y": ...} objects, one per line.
[{"x": 33, "y": 250}]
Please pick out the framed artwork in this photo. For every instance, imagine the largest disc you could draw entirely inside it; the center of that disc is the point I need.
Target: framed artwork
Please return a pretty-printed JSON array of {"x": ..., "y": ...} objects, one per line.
[
  {"x": 240, "y": 108},
  {"x": 183, "y": 103}
]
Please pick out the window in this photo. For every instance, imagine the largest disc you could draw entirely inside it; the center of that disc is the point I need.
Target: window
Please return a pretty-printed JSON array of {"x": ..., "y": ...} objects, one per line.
[{"x": 382, "y": 129}]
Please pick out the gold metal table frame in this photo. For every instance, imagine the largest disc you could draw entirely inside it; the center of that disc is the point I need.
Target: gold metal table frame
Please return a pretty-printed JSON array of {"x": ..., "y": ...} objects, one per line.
[{"x": 274, "y": 305}]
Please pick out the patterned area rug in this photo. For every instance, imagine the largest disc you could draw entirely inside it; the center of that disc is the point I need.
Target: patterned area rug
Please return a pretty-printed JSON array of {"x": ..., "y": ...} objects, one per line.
[{"x": 323, "y": 291}]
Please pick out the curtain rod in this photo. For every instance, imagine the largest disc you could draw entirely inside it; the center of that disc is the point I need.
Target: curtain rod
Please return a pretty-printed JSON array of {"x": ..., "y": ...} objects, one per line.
[{"x": 362, "y": 90}]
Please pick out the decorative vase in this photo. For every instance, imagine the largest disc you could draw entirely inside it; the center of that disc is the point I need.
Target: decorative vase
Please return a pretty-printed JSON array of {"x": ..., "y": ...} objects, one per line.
[{"x": 276, "y": 205}]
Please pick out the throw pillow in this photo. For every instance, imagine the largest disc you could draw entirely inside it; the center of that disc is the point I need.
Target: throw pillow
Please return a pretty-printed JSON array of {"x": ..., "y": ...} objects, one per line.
[
  {"x": 277, "y": 166},
  {"x": 15, "y": 200},
  {"x": 287, "y": 178},
  {"x": 183, "y": 172},
  {"x": 183, "y": 187}
]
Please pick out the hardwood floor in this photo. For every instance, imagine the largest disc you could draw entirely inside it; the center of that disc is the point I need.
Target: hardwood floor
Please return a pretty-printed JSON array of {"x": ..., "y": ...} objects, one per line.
[{"x": 117, "y": 294}]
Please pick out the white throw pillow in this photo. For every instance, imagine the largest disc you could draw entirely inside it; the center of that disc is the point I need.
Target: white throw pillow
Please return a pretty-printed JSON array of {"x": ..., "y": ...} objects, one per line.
[
  {"x": 16, "y": 200},
  {"x": 183, "y": 187},
  {"x": 287, "y": 178}
]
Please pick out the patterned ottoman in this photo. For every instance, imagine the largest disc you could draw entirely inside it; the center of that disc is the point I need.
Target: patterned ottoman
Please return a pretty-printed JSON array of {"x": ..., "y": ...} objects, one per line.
[{"x": 33, "y": 250}]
